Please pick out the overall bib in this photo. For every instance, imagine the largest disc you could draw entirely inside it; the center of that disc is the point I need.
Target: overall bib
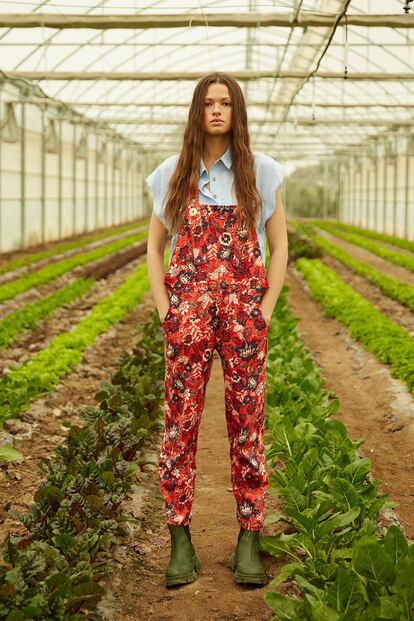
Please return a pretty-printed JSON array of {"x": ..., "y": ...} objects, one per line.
[{"x": 216, "y": 280}]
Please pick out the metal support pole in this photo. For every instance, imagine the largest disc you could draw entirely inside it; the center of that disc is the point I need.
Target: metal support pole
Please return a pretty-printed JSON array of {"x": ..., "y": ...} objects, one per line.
[
  {"x": 43, "y": 177},
  {"x": 74, "y": 183},
  {"x": 97, "y": 197},
  {"x": 60, "y": 181},
  {"x": 86, "y": 174},
  {"x": 376, "y": 162},
  {"x": 384, "y": 214},
  {"x": 394, "y": 202},
  {"x": 407, "y": 185},
  {"x": 23, "y": 176}
]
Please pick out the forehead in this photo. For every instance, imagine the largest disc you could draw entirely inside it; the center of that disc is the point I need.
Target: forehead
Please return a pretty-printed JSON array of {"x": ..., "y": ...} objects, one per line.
[{"x": 218, "y": 91}]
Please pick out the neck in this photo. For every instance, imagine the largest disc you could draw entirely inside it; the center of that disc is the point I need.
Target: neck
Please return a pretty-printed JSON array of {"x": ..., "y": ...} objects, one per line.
[{"x": 214, "y": 147}]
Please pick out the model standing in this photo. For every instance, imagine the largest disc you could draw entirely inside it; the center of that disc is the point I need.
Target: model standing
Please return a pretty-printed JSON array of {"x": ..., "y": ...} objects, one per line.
[{"x": 219, "y": 199}]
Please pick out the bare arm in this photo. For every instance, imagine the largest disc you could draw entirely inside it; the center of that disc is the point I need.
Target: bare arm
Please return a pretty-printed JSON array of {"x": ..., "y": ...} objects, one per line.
[
  {"x": 278, "y": 248},
  {"x": 157, "y": 237}
]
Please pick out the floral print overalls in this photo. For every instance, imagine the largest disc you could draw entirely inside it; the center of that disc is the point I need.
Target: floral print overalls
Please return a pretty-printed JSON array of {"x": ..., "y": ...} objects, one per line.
[{"x": 216, "y": 280}]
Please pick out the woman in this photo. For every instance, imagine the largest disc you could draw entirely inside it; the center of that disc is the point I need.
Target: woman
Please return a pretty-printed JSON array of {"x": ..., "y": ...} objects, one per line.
[{"x": 216, "y": 295}]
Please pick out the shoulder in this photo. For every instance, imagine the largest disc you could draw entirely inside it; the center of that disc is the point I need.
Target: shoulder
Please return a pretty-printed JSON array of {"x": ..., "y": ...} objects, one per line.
[
  {"x": 269, "y": 176},
  {"x": 164, "y": 170},
  {"x": 266, "y": 165}
]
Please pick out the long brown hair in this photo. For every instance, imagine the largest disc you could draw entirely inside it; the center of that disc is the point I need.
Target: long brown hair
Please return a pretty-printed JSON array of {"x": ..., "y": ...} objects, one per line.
[{"x": 184, "y": 180}]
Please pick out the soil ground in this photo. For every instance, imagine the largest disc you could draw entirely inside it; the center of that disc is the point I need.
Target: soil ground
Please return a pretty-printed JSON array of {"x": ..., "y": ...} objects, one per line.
[{"x": 373, "y": 405}]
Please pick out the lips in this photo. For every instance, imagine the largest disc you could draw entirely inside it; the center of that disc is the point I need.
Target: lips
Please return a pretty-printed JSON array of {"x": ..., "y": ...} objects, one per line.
[{"x": 216, "y": 122}]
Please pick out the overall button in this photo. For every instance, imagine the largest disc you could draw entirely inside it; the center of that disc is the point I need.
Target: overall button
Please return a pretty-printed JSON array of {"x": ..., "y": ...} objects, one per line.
[
  {"x": 215, "y": 195},
  {"x": 213, "y": 178}
]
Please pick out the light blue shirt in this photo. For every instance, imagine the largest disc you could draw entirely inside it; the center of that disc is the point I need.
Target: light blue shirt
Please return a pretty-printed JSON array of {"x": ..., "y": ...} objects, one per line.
[{"x": 269, "y": 176}]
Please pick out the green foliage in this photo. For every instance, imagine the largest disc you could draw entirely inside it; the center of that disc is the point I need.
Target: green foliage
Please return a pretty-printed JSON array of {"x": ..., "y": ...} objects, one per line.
[
  {"x": 308, "y": 192},
  {"x": 397, "y": 258},
  {"x": 346, "y": 568},
  {"x": 9, "y": 454},
  {"x": 29, "y": 316},
  {"x": 389, "y": 342},
  {"x": 391, "y": 287},
  {"x": 301, "y": 246},
  {"x": 50, "y": 272},
  {"x": 37, "y": 376},
  {"x": 53, "y": 572},
  {"x": 405, "y": 244},
  {"x": 64, "y": 247}
]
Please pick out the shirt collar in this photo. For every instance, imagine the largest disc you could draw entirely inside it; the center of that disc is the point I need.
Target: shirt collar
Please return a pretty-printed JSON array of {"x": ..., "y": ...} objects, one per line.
[{"x": 226, "y": 158}]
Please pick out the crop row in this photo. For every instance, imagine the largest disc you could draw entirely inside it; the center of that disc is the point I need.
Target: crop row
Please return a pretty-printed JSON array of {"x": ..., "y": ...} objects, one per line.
[
  {"x": 31, "y": 379},
  {"x": 28, "y": 259},
  {"x": 53, "y": 572},
  {"x": 388, "y": 341},
  {"x": 28, "y": 316},
  {"x": 392, "y": 287},
  {"x": 347, "y": 569},
  {"x": 405, "y": 244},
  {"x": 50, "y": 272},
  {"x": 397, "y": 258}
]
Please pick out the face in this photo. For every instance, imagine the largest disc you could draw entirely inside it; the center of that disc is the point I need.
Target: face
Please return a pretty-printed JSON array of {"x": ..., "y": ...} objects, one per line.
[{"x": 217, "y": 106}]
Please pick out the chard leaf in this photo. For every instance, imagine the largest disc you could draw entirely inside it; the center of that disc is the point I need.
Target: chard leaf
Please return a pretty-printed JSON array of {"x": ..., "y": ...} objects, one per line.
[
  {"x": 285, "y": 607},
  {"x": 287, "y": 572},
  {"x": 346, "y": 592},
  {"x": 373, "y": 560},
  {"x": 9, "y": 454}
]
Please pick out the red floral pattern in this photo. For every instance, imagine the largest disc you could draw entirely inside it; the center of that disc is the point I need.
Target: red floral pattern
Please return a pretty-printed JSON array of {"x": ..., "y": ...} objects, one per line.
[{"x": 216, "y": 280}]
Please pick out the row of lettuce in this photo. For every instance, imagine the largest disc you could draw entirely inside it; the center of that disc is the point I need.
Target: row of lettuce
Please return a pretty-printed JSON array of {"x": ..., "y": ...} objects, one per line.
[
  {"x": 391, "y": 287},
  {"x": 28, "y": 258},
  {"x": 53, "y": 572},
  {"x": 387, "y": 340},
  {"x": 344, "y": 565},
  {"x": 363, "y": 238},
  {"x": 36, "y": 278},
  {"x": 44, "y": 369},
  {"x": 399, "y": 242}
]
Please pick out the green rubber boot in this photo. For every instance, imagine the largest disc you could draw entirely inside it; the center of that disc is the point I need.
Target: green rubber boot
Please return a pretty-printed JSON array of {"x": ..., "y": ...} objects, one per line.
[
  {"x": 245, "y": 559},
  {"x": 184, "y": 562}
]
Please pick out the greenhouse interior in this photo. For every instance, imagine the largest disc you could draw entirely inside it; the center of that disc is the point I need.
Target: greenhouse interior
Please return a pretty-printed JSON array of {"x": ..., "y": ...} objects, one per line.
[{"x": 111, "y": 320}]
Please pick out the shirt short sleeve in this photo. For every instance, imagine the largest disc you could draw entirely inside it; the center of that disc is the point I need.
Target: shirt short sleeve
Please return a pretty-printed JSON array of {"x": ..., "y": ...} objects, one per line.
[
  {"x": 269, "y": 177},
  {"x": 158, "y": 182}
]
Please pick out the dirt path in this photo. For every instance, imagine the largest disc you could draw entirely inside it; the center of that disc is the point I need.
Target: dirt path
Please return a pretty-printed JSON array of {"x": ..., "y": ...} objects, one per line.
[
  {"x": 386, "y": 267},
  {"x": 373, "y": 404},
  {"x": 137, "y": 588}
]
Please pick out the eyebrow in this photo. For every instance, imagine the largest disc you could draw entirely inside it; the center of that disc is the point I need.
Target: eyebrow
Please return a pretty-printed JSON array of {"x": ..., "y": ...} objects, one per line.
[{"x": 221, "y": 98}]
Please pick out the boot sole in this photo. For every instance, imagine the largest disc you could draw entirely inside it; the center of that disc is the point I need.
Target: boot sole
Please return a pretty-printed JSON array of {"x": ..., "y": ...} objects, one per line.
[
  {"x": 241, "y": 578},
  {"x": 185, "y": 578}
]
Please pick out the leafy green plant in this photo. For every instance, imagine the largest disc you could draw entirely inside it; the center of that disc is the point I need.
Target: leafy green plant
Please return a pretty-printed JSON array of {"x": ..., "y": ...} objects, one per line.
[
  {"x": 8, "y": 454},
  {"x": 301, "y": 246},
  {"x": 50, "y": 272},
  {"x": 359, "y": 240},
  {"x": 28, "y": 259},
  {"x": 53, "y": 572},
  {"x": 37, "y": 376},
  {"x": 389, "y": 342},
  {"x": 29, "y": 316},
  {"x": 405, "y": 244},
  {"x": 391, "y": 287},
  {"x": 330, "y": 500}
]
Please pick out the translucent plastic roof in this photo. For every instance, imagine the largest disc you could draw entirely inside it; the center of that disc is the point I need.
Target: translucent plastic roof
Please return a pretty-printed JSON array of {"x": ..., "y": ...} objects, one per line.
[{"x": 289, "y": 117}]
